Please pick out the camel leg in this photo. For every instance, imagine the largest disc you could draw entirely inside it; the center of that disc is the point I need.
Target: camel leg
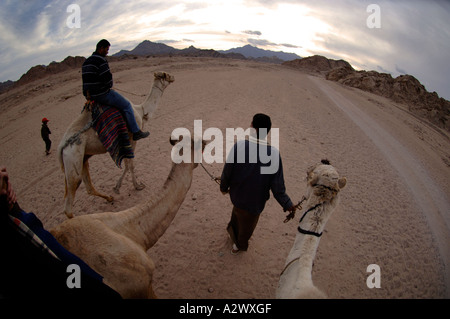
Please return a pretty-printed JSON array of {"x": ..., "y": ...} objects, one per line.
[
  {"x": 119, "y": 182},
  {"x": 72, "y": 184},
  {"x": 151, "y": 293},
  {"x": 72, "y": 181},
  {"x": 129, "y": 167},
  {"x": 137, "y": 186},
  {"x": 88, "y": 183}
]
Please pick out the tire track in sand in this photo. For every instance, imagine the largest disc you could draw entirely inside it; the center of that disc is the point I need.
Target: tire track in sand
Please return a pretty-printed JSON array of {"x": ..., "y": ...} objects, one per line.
[{"x": 37, "y": 180}]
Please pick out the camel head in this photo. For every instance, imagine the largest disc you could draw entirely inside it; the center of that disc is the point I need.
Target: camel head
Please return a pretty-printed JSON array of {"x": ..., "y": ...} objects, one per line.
[
  {"x": 323, "y": 181},
  {"x": 187, "y": 150},
  {"x": 164, "y": 77}
]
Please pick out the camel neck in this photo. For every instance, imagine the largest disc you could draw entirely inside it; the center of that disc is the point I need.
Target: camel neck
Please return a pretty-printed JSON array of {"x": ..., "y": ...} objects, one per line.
[
  {"x": 150, "y": 104},
  {"x": 305, "y": 245},
  {"x": 151, "y": 219},
  {"x": 305, "y": 248}
]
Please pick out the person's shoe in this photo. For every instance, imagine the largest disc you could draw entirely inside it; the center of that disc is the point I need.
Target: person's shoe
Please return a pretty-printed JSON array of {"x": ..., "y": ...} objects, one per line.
[
  {"x": 139, "y": 135},
  {"x": 234, "y": 250}
]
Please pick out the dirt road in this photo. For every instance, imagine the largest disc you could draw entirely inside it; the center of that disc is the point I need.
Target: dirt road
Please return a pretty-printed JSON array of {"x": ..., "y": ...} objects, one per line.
[{"x": 433, "y": 202}]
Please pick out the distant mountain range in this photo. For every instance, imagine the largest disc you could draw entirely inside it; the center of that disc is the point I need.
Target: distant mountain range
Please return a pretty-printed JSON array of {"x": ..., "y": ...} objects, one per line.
[
  {"x": 403, "y": 89},
  {"x": 246, "y": 52},
  {"x": 250, "y": 51},
  {"x": 148, "y": 48}
]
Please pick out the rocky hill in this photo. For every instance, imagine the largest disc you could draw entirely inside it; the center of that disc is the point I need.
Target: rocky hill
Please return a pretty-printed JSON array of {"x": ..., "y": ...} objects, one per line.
[
  {"x": 194, "y": 52},
  {"x": 404, "y": 89},
  {"x": 148, "y": 48},
  {"x": 318, "y": 64},
  {"x": 6, "y": 85},
  {"x": 41, "y": 71}
]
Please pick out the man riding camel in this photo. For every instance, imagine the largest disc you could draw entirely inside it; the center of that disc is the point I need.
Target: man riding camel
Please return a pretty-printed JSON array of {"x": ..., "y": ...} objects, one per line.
[{"x": 97, "y": 84}]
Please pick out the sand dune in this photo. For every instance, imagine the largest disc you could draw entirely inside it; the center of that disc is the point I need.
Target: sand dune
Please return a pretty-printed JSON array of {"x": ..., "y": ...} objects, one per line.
[{"x": 394, "y": 211}]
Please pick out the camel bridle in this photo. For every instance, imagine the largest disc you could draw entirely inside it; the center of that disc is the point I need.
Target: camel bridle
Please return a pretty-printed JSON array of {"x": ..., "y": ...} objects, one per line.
[
  {"x": 298, "y": 206},
  {"x": 308, "y": 232}
]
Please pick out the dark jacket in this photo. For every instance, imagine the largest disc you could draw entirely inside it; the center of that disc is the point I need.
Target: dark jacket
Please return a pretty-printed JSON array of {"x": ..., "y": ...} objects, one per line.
[
  {"x": 248, "y": 186},
  {"x": 45, "y": 131},
  {"x": 97, "y": 78}
]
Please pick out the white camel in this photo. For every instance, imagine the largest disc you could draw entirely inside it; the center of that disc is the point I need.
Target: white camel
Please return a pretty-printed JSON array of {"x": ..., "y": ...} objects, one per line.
[
  {"x": 323, "y": 186},
  {"x": 80, "y": 142}
]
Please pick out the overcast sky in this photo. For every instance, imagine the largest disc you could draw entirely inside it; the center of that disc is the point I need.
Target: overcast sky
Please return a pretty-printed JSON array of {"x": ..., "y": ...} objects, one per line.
[{"x": 410, "y": 36}]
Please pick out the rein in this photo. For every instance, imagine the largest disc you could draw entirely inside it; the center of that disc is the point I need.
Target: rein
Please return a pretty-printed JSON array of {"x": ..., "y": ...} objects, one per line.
[
  {"x": 75, "y": 138},
  {"x": 141, "y": 95},
  {"x": 216, "y": 179},
  {"x": 292, "y": 214}
]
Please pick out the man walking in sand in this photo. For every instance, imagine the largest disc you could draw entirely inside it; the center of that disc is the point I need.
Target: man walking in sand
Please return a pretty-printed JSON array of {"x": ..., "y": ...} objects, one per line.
[
  {"x": 248, "y": 185},
  {"x": 97, "y": 84},
  {"x": 45, "y": 132}
]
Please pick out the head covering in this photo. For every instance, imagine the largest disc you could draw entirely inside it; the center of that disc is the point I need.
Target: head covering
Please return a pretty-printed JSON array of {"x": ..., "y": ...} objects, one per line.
[{"x": 45, "y": 120}]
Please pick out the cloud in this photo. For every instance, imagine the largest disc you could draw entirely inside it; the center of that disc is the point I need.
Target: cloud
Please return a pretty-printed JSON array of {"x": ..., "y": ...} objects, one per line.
[
  {"x": 175, "y": 41},
  {"x": 194, "y": 6},
  {"x": 267, "y": 43},
  {"x": 287, "y": 45},
  {"x": 28, "y": 33},
  {"x": 413, "y": 34},
  {"x": 174, "y": 21},
  {"x": 168, "y": 41},
  {"x": 382, "y": 70},
  {"x": 252, "y": 32},
  {"x": 261, "y": 42},
  {"x": 399, "y": 70},
  {"x": 36, "y": 32}
]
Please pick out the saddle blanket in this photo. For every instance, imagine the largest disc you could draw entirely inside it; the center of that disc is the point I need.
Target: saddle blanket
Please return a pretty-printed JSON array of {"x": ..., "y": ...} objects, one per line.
[{"x": 112, "y": 131}]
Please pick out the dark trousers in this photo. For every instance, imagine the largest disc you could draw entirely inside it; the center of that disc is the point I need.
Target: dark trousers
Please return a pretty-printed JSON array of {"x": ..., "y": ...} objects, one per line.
[
  {"x": 48, "y": 144},
  {"x": 241, "y": 227}
]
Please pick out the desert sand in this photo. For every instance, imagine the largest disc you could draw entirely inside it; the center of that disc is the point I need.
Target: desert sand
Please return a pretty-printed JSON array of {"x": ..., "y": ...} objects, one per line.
[{"x": 394, "y": 211}]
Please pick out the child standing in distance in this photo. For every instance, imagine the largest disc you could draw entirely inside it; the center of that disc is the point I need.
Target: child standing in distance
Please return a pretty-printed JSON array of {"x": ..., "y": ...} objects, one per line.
[{"x": 45, "y": 132}]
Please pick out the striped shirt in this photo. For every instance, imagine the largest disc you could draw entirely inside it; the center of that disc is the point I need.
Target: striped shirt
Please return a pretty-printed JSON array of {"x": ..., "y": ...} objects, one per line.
[{"x": 97, "y": 78}]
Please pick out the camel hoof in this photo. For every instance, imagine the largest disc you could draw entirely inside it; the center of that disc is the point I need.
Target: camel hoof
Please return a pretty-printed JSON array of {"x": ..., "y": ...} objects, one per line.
[
  {"x": 116, "y": 190},
  {"x": 139, "y": 187},
  {"x": 69, "y": 215}
]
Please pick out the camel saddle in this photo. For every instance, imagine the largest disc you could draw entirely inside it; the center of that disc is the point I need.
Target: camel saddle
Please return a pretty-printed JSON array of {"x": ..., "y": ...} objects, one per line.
[{"x": 112, "y": 131}]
